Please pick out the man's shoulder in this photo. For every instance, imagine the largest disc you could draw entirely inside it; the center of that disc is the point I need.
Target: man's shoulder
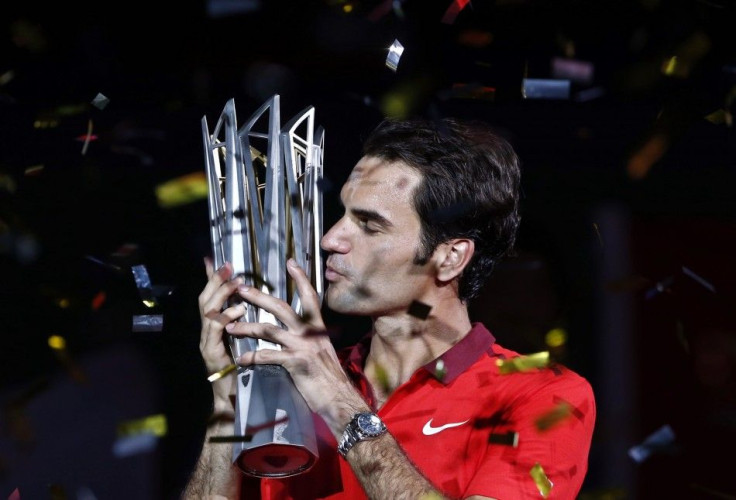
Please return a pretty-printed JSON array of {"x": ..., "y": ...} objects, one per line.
[{"x": 528, "y": 379}]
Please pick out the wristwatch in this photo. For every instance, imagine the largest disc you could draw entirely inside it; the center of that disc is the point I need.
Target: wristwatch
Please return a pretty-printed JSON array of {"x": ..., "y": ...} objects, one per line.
[{"x": 364, "y": 425}]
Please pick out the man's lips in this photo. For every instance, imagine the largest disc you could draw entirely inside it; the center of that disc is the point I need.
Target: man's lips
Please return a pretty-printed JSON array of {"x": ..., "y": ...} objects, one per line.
[{"x": 331, "y": 272}]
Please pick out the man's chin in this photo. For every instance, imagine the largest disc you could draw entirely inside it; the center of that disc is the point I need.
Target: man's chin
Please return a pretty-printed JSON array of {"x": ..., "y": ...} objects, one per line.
[{"x": 337, "y": 302}]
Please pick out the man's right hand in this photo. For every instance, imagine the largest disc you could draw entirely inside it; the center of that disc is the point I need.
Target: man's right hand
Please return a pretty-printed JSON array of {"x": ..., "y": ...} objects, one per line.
[{"x": 215, "y": 353}]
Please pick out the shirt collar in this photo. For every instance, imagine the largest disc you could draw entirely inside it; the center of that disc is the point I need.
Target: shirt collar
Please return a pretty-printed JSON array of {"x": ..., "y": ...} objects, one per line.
[
  {"x": 455, "y": 360},
  {"x": 462, "y": 355}
]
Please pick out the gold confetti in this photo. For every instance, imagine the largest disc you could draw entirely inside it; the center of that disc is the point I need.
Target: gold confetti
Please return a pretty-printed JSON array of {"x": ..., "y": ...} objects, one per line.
[
  {"x": 221, "y": 373},
  {"x": 432, "y": 495},
  {"x": 553, "y": 417},
  {"x": 717, "y": 117},
  {"x": 153, "y": 424},
  {"x": 382, "y": 377},
  {"x": 541, "y": 480},
  {"x": 523, "y": 363},
  {"x": 57, "y": 342},
  {"x": 182, "y": 190},
  {"x": 556, "y": 337}
]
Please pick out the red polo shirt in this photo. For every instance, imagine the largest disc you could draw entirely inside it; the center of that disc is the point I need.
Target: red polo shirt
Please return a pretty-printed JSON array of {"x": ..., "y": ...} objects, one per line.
[{"x": 457, "y": 426}]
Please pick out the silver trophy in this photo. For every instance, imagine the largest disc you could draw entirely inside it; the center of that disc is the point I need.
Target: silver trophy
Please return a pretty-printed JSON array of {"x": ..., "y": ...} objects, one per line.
[{"x": 266, "y": 207}]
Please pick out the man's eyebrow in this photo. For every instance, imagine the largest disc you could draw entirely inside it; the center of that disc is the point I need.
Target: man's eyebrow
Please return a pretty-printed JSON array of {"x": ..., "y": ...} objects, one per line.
[{"x": 371, "y": 215}]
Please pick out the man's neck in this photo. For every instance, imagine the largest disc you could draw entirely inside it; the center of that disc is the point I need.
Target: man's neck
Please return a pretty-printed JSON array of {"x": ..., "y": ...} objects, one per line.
[{"x": 402, "y": 344}]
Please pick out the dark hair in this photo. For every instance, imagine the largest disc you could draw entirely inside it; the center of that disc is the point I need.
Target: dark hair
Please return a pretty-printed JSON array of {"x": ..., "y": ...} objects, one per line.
[{"x": 470, "y": 187}]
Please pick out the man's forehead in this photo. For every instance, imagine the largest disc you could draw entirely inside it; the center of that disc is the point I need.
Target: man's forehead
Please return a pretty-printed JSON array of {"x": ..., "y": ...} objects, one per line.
[{"x": 371, "y": 170}]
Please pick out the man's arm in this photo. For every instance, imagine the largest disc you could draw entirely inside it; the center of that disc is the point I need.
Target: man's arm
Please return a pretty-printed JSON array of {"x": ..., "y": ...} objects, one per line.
[{"x": 214, "y": 475}]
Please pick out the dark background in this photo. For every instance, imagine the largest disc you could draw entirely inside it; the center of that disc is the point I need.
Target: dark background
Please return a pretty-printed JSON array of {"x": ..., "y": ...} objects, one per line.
[{"x": 624, "y": 183}]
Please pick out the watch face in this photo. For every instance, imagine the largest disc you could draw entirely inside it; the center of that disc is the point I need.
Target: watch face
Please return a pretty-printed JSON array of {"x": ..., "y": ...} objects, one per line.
[{"x": 370, "y": 424}]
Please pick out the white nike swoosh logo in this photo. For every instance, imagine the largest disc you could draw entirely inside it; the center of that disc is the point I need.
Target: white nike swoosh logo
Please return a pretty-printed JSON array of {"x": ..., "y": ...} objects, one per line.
[{"x": 429, "y": 430}]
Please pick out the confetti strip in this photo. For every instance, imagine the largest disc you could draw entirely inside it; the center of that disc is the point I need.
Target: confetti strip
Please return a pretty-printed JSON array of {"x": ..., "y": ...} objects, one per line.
[
  {"x": 523, "y": 363},
  {"x": 15, "y": 495},
  {"x": 453, "y": 10},
  {"x": 221, "y": 373},
  {"x": 511, "y": 438},
  {"x": 230, "y": 439},
  {"x": 153, "y": 424},
  {"x": 143, "y": 283},
  {"x": 553, "y": 417},
  {"x": 102, "y": 263},
  {"x": 132, "y": 445},
  {"x": 88, "y": 137},
  {"x": 34, "y": 170},
  {"x": 537, "y": 88},
  {"x": 382, "y": 378},
  {"x": 98, "y": 300},
  {"x": 598, "y": 233},
  {"x": 717, "y": 117},
  {"x": 419, "y": 309},
  {"x": 661, "y": 439},
  {"x": 470, "y": 91},
  {"x": 394, "y": 54},
  {"x": 182, "y": 190},
  {"x": 148, "y": 323},
  {"x": 570, "y": 69},
  {"x": 697, "y": 278},
  {"x": 541, "y": 480},
  {"x": 278, "y": 424}
]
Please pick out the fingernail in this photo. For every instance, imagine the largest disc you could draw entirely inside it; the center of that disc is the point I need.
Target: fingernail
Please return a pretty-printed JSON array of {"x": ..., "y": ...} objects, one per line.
[
  {"x": 243, "y": 288},
  {"x": 291, "y": 263},
  {"x": 229, "y": 327}
]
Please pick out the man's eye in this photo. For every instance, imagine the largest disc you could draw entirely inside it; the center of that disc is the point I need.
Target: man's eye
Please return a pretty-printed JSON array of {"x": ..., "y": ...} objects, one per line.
[{"x": 364, "y": 225}]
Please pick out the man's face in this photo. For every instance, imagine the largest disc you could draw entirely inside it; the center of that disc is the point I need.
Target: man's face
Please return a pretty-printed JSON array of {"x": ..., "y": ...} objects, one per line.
[{"x": 370, "y": 268}]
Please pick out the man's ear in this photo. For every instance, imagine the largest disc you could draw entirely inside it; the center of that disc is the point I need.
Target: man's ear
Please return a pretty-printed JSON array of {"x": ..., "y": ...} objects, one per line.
[{"x": 452, "y": 257}]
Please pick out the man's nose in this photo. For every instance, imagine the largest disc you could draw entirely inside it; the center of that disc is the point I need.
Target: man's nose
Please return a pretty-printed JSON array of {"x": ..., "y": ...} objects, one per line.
[{"x": 335, "y": 240}]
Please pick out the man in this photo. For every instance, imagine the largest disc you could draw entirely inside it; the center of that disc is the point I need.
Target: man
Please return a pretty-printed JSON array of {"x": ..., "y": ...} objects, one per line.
[{"x": 430, "y": 208}]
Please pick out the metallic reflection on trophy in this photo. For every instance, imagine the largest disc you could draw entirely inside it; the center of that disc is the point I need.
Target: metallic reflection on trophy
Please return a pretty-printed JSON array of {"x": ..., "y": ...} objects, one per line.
[{"x": 265, "y": 206}]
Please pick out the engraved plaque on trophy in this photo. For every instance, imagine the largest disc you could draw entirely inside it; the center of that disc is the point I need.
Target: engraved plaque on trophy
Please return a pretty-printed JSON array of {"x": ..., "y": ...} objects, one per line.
[{"x": 265, "y": 206}]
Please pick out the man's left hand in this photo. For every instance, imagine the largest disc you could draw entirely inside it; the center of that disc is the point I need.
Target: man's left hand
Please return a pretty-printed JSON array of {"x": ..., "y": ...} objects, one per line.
[{"x": 306, "y": 351}]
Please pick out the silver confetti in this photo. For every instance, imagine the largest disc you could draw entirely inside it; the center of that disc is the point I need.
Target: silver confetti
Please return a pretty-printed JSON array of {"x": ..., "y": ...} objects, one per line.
[{"x": 394, "y": 54}]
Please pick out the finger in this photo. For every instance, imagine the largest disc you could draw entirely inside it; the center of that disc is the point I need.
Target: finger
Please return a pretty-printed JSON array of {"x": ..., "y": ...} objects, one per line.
[
  {"x": 311, "y": 307},
  {"x": 280, "y": 309},
  {"x": 214, "y": 281},
  {"x": 263, "y": 357},
  {"x": 264, "y": 331},
  {"x": 212, "y": 301},
  {"x": 209, "y": 267}
]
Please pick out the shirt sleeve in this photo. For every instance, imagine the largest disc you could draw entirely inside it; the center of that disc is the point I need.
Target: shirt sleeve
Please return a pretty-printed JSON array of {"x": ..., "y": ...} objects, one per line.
[{"x": 559, "y": 447}]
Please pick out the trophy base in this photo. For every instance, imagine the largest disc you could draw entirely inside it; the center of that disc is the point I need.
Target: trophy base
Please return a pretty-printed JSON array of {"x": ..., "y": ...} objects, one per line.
[{"x": 275, "y": 460}]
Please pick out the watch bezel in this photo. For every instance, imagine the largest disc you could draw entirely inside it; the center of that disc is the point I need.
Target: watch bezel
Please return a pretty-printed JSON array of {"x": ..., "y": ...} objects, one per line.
[{"x": 370, "y": 424}]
